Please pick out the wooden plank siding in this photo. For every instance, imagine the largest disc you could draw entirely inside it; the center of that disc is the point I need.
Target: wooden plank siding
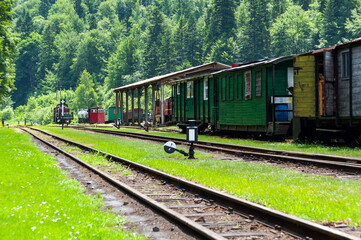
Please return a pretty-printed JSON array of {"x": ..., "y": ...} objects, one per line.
[
  {"x": 343, "y": 89},
  {"x": 281, "y": 78},
  {"x": 329, "y": 83},
  {"x": 343, "y": 97},
  {"x": 242, "y": 112},
  {"x": 196, "y": 108},
  {"x": 356, "y": 81},
  {"x": 304, "y": 86}
]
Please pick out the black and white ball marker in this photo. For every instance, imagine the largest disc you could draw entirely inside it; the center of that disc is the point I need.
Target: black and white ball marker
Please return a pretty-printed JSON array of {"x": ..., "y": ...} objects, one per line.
[{"x": 170, "y": 147}]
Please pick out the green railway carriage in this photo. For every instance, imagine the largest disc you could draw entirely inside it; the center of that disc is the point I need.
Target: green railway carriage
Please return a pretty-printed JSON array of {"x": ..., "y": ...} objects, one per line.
[
  {"x": 110, "y": 114},
  {"x": 254, "y": 97}
]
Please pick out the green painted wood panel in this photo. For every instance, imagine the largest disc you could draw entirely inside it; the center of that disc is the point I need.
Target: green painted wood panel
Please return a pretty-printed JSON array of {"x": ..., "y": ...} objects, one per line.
[
  {"x": 243, "y": 112},
  {"x": 304, "y": 87},
  {"x": 211, "y": 99}
]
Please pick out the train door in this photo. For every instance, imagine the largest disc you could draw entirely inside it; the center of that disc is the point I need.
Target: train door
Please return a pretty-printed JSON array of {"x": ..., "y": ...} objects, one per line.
[
  {"x": 216, "y": 101},
  {"x": 304, "y": 86},
  {"x": 329, "y": 90},
  {"x": 190, "y": 100}
]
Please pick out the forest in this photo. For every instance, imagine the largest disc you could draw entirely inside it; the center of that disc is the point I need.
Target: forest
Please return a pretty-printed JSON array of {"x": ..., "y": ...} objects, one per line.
[{"x": 81, "y": 49}]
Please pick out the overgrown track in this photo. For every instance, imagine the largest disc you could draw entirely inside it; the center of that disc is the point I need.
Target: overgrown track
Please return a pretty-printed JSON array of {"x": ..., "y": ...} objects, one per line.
[
  {"x": 215, "y": 207},
  {"x": 238, "y": 150}
]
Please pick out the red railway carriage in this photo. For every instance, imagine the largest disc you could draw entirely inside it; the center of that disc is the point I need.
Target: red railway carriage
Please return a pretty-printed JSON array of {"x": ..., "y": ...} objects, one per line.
[
  {"x": 167, "y": 109},
  {"x": 96, "y": 115}
]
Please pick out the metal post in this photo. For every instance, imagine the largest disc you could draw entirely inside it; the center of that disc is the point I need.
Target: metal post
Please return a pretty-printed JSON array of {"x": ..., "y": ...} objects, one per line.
[
  {"x": 121, "y": 107},
  {"x": 132, "y": 106},
  {"x": 191, "y": 152},
  {"x": 116, "y": 108},
  {"x": 273, "y": 99},
  {"x": 351, "y": 86},
  {"x": 139, "y": 107},
  {"x": 146, "y": 105},
  {"x": 162, "y": 103},
  {"x": 153, "y": 104},
  {"x": 126, "y": 107}
]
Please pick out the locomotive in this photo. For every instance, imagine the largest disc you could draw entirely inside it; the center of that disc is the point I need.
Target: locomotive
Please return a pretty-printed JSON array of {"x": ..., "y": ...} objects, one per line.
[{"x": 61, "y": 114}]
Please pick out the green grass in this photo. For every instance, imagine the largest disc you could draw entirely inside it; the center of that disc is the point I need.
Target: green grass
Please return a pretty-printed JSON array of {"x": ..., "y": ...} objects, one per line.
[
  {"x": 284, "y": 146},
  {"x": 308, "y": 196},
  {"x": 97, "y": 160},
  {"x": 38, "y": 200}
]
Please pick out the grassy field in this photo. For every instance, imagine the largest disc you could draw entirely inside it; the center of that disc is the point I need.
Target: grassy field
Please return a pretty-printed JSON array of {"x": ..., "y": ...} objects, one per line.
[
  {"x": 284, "y": 146},
  {"x": 38, "y": 200},
  {"x": 308, "y": 196}
]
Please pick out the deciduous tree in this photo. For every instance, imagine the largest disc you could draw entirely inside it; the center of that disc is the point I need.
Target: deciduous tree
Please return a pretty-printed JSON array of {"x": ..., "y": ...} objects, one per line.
[{"x": 7, "y": 50}]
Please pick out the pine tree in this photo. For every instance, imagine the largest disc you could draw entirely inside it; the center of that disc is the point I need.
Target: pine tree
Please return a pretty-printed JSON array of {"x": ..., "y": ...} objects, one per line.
[
  {"x": 24, "y": 24},
  {"x": 79, "y": 8},
  {"x": 278, "y": 7},
  {"x": 45, "y": 6},
  {"x": 257, "y": 39},
  {"x": 335, "y": 15},
  {"x": 27, "y": 64},
  {"x": 220, "y": 22},
  {"x": 180, "y": 41},
  {"x": 153, "y": 41},
  {"x": 193, "y": 50}
]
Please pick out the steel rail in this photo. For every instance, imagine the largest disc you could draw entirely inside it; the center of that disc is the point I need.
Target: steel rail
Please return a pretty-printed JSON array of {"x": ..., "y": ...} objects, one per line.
[
  {"x": 327, "y": 160},
  {"x": 167, "y": 212},
  {"x": 292, "y": 224}
]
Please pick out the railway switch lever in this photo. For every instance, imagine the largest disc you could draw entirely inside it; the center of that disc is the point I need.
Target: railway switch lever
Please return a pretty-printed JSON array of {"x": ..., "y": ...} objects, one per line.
[{"x": 192, "y": 137}]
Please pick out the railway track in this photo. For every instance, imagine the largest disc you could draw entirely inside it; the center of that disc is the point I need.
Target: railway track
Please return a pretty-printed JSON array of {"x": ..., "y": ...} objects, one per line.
[
  {"x": 207, "y": 213},
  {"x": 238, "y": 150}
]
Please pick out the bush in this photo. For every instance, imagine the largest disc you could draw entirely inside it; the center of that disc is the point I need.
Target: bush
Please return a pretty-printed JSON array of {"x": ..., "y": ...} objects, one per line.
[{"x": 7, "y": 114}]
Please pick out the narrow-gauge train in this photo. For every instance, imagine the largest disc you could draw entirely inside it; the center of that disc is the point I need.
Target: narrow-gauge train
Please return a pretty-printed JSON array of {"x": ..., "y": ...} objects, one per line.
[
  {"x": 61, "y": 114},
  {"x": 91, "y": 115},
  {"x": 254, "y": 97},
  {"x": 311, "y": 95}
]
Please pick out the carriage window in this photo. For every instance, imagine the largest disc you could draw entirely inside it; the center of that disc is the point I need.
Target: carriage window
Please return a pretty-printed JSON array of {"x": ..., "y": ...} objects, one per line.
[
  {"x": 93, "y": 110},
  {"x": 239, "y": 87},
  {"x": 178, "y": 89},
  {"x": 190, "y": 89},
  {"x": 248, "y": 85},
  {"x": 205, "y": 89},
  {"x": 258, "y": 83},
  {"x": 231, "y": 88},
  {"x": 223, "y": 89},
  {"x": 345, "y": 65}
]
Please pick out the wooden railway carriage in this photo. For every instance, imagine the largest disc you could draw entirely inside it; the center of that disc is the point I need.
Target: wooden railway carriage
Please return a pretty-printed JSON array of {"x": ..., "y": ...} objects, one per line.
[
  {"x": 252, "y": 97},
  {"x": 327, "y": 92},
  {"x": 96, "y": 115},
  {"x": 110, "y": 114}
]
